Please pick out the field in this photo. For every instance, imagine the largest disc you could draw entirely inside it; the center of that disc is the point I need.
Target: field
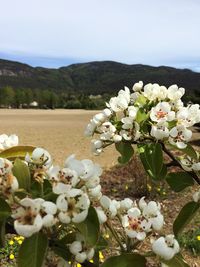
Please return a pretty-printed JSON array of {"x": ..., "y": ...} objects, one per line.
[{"x": 61, "y": 132}]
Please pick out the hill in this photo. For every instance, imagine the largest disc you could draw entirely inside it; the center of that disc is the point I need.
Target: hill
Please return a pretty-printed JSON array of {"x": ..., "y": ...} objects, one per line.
[{"x": 93, "y": 77}]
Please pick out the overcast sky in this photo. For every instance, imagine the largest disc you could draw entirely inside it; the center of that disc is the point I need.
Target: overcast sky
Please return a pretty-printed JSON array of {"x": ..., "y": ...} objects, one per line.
[{"x": 54, "y": 33}]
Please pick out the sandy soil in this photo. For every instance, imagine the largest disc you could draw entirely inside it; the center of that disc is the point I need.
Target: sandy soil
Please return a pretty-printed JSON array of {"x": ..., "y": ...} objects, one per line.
[{"x": 59, "y": 131}]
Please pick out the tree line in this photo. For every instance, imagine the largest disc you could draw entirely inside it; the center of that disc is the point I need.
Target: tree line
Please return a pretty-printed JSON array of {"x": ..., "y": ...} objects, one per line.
[{"x": 22, "y": 98}]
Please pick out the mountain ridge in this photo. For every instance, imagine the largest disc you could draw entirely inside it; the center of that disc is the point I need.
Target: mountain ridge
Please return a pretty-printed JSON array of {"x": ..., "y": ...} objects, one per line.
[{"x": 96, "y": 77}]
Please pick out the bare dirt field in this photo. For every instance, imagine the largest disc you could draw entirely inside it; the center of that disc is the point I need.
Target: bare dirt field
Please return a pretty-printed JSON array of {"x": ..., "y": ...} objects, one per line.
[{"x": 61, "y": 132}]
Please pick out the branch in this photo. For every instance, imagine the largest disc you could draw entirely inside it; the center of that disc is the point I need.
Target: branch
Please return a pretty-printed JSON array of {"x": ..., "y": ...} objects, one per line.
[{"x": 175, "y": 162}]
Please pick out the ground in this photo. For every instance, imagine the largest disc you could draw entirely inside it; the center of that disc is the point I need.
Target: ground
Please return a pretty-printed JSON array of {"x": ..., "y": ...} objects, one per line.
[{"x": 61, "y": 132}]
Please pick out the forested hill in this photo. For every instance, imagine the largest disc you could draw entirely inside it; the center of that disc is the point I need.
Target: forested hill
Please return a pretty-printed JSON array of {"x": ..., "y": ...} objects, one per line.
[{"x": 93, "y": 77}]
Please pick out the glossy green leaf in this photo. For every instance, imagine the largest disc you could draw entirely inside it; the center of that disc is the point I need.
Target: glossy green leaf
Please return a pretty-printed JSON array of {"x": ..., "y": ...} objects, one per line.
[
  {"x": 151, "y": 156},
  {"x": 33, "y": 251},
  {"x": 126, "y": 151},
  {"x": 16, "y": 152},
  {"x": 22, "y": 173},
  {"x": 179, "y": 180},
  {"x": 90, "y": 228},
  {"x": 125, "y": 260},
  {"x": 185, "y": 216}
]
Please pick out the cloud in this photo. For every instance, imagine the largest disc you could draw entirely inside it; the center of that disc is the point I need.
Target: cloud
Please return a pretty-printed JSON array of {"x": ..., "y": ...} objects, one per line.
[{"x": 149, "y": 32}]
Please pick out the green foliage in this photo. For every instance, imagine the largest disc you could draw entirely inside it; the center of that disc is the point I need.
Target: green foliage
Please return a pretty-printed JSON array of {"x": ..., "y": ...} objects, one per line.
[
  {"x": 179, "y": 180},
  {"x": 33, "y": 251},
  {"x": 151, "y": 156},
  {"x": 90, "y": 228},
  {"x": 16, "y": 152},
  {"x": 125, "y": 260},
  {"x": 177, "y": 261},
  {"x": 191, "y": 240},
  {"x": 5, "y": 212},
  {"x": 126, "y": 150},
  {"x": 185, "y": 216},
  {"x": 22, "y": 173}
]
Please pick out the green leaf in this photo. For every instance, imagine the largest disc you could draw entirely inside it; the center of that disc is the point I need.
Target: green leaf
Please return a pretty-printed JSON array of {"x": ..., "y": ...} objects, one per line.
[
  {"x": 33, "y": 250},
  {"x": 185, "y": 216},
  {"x": 5, "y": 210},
  {"x": 126, "y": 151},
  {"x": 16, "y": 152},
  {"x": 177, "y": 261},
  {"x": 179, "y": 180},
  {"x": 141, "y": 101},
  {"x": 61, "y": 249},
  {"x": 189, "y": 150},
  {"x": 151, "y": 156},
  {"x": 90, "y": 228},
  {"x": 22, "y": 173},
  {"x": 36, "y": 189},
  {"x": 125, "y": 260},
  {"x": 2, "y": 232},
  {"x": 141, "y": 116}
]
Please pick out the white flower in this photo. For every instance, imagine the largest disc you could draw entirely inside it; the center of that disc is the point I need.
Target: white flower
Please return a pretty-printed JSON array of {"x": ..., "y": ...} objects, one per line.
[
  {"x": 62, "y": 179},
  {"x": 153, "y": 91},
  {"x": 166, "y": 247},
  {"x": 152, "y": 213},
  {"x": 27, "y": 217},
  {"x": 85, "y": 169},
  {"x": 109, "y": 206},
  {"x": 95, "y": 193},
  {"x": 90, "y": 129},
  {"x": 162, "y": 112},
  {"x": 117, "y": 138},
  {"x": 132, "y": 112},
  {"x": 132, "y": 133},
  {"x": 136, "y": 226},
  {"x": 8, "y": 141},
  {"x": 8, "y": 182},
  {"x": 189, "y": 164},
  {"x": 39, "y": 157},
  {"x": 49, "y": 209},
  {"x": 160, "y": 130},
  {"x": 96, "y": 146},
  {"x": 196, "y": 196},
  {"x": 175, "y": 93},
  {"x": 120, "y": 103},
  {"x": 138, "y": 86},
  {"x": 101, "y": 215},
  {"x": 126, "y": 204},
  {"x": 179, "y": 136},
  {"x": 80, "y": 252},
  {"x": 107, "y": 131},
  {"x": 188, "y": 116},
  {"x": 73, "y": 206}
]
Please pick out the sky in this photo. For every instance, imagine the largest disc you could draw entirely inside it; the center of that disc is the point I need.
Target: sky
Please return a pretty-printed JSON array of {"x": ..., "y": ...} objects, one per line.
[{"x": 54, "y": 33}]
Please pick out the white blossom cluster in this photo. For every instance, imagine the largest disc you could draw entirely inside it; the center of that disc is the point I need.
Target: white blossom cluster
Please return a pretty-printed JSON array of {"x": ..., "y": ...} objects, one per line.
[
  {"x": 150, "y": 111},
  {"x": 76, "y": 187},
  {"x": 8, "y": 141}
]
